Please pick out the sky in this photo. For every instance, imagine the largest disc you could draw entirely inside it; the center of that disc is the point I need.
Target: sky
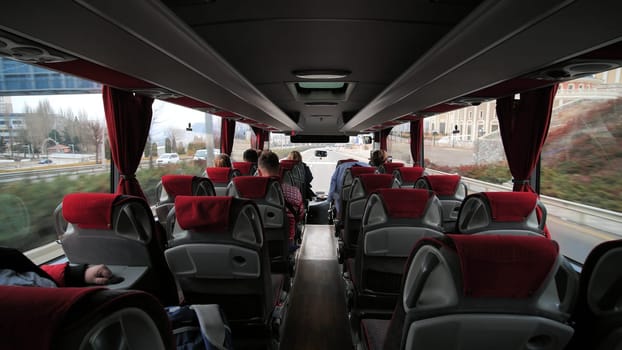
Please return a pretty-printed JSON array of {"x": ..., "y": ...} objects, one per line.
[{"x": 166, "y": 115}]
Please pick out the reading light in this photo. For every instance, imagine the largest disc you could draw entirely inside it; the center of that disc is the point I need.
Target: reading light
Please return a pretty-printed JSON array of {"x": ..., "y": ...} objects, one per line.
[{"x": 321, "y": 74}]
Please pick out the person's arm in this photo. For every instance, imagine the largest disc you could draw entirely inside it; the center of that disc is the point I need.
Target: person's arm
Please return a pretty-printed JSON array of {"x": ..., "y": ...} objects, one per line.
[
  {"x": 66, "y": 275},
  {"x": 57, "y": 272}
]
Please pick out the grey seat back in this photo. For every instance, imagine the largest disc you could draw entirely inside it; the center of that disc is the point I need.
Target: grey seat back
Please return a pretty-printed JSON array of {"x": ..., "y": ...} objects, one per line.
[
  {"x": 450, "y": 190},
  {"x": 119, "y": 231},
  {"x": 598, "y": 315},
  {"x": 217, "y": 256},
  {"x": 489, "y": 291},
  {"x": 267, "y": 194},
  {"x": 394, "y": 220},
  {"x": 172, "y": 186},
  {"x": 513, "y": 213}
]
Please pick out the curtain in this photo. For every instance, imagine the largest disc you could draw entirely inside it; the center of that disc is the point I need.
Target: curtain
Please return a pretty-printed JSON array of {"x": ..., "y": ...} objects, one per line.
[
  {"x": 227, "y": 132},
  {"x": 523, "y": 125},
  {"x": 416, "y": 141},
  {"x": 381, "y": 136},
  {"x": 261, "y": 136},
  {"x": 128, "y": 118}
]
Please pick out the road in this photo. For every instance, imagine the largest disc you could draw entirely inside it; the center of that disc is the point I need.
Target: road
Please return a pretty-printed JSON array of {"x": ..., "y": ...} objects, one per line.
[{"x": 575, "y": 241}]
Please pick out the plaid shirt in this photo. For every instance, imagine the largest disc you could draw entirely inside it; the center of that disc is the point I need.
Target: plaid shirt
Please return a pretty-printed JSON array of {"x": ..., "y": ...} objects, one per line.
[{"x": 294, "y": 198}]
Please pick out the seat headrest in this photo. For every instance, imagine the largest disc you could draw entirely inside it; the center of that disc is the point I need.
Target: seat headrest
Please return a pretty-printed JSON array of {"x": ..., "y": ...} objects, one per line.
[
  {"x": 36, "y": 309},
  {"x": 178, "y": 185},
  {"x": 511, "y": 206},
  {"x": 514, "y": 211},
  {"x": 409, "y": 174},
  {"x": 500, "y": 266},
  {"x": 372, "y": 182},
  {"x": 252, "y": 187},
  {"x": 203, "y": 213},
  {"x": 443, "y": 185},
  {"x": 389, "y": 167},
  {"x": 90, "y": 210},
  {"x": 288, "y": 164},
  {"x": 356, "y": 171},
  {"x": 219, "y": 174},
  {"x": 405, "y": 202},
  {"x": 243, "y": 167}
]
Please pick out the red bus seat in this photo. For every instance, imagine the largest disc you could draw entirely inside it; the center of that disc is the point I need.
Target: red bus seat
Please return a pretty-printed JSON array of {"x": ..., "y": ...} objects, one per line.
[
  {"x": 388, "y": 168},
  {"x": 220, "y": 177},
  {"x": 266, "y": 192},
  {"x": 515, "y": 213},
  {"x": 362, "y": 186},
  {"x": 218, "y": 256},
  {"x": 245, "y": 168},
  {"x": 172, "y": 186},
  {"x": 119, "y": 231},
  {"x": 450, "y": 190},
  {"x": 394, "y": 220},
  {"x": 405, "y": 177},
  {"x": 474, "y": 292},
  {"x": 82, "y": 318}
]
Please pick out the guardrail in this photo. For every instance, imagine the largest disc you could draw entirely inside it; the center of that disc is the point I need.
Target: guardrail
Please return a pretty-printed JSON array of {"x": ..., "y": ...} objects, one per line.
[{"x": 585, "y": 215}]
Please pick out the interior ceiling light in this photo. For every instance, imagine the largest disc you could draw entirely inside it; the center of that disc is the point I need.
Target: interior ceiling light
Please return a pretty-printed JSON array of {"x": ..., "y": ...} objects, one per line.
[
  {"x": 321, "y": 74},
  {"x": 320, "y": 104}
]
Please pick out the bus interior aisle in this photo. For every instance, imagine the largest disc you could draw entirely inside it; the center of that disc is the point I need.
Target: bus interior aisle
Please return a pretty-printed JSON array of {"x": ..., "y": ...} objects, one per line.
[{"x": 317, "y": 317}]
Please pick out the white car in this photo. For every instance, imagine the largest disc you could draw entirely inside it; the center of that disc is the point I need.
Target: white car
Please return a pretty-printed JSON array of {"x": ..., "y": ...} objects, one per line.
[
  {"x": 200, "y": 154},
  {"x": 168, "y": 158}
]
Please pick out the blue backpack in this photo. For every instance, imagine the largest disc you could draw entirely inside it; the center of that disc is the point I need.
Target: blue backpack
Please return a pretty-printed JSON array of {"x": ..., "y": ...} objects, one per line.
[{"x": 200, "y": 327}]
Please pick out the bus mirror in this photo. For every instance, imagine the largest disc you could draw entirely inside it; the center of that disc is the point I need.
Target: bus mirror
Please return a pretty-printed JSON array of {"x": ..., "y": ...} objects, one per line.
[{"x": 367, "y": 140}]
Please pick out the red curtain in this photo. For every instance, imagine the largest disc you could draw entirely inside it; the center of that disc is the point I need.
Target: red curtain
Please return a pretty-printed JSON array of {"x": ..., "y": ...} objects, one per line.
[
  {"x": 227, "y": 132},
  {"x": 261, "y": 136},
  {"x": 416, "y": 141},
  {"x": 128, "y": 118},
  {"x": 523, "y": 125},
  {"x": 381, "y": 136}
]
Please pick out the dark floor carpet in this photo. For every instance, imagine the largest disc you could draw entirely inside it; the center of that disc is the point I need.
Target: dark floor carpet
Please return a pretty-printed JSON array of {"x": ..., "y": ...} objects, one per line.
[{"x": 317, "y": 313}]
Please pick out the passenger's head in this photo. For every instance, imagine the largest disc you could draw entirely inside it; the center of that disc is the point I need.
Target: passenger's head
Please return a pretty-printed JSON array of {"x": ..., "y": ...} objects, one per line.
[
  {"x": 222, "y": 161},
  {"x": 250, "y": 155},
  {"x": 268, "y": 164},
  {"x": 378, "y": 157},
  {"x": 295, "y": 155}
]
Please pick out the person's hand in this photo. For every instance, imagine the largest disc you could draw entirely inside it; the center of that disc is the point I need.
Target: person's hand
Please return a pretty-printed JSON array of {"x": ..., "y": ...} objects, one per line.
[{"x": 97, "y": 274}]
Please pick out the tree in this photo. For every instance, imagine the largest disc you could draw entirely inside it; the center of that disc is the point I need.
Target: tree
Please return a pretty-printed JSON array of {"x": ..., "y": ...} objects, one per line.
[
  {"x": 40, "y": 122},
  {"x": 167, "y": 145},
  {"x": 96, "y": 130}
]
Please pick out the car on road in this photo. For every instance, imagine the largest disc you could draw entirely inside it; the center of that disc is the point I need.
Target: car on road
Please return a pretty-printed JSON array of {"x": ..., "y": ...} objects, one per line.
[
  {"x": 45, "y": 161},
  {"x": 168, "y": 158},
  {"x": 321, "y": 154},
  {"x": 200, "y": 154}
]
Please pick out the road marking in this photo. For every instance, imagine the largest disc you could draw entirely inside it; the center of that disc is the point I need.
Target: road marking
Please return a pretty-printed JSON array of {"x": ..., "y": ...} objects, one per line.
[{"x": 584, "y": 229}]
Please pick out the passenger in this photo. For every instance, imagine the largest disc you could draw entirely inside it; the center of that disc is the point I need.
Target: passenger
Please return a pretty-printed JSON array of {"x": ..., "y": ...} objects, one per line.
[
  {"x": 378, "y": 157},
  {"x": 308, "y": 194},
  {"x": 17, "y": 270},
  {"x": 222, "y": 161},
  {"x": 250, "y": 155},
  {"x": 268, "y": 165}
]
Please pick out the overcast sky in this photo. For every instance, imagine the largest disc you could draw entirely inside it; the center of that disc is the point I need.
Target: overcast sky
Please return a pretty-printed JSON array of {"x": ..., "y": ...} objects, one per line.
[{"x": 166, "y": 115}]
